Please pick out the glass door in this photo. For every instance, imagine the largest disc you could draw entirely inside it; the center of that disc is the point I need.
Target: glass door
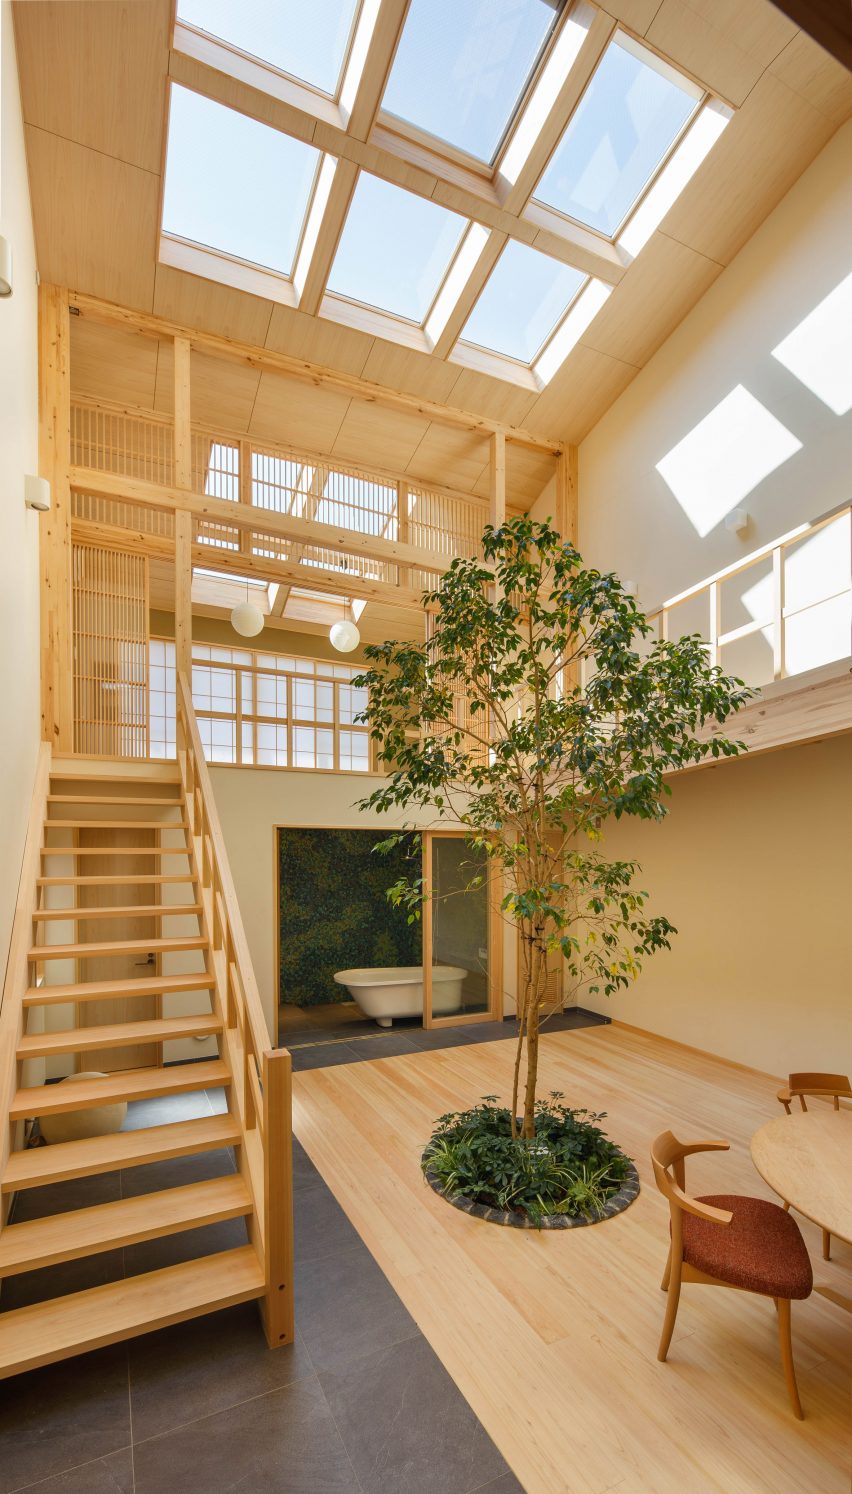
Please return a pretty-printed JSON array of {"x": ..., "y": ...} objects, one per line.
[{"x": 459, "y": 943}]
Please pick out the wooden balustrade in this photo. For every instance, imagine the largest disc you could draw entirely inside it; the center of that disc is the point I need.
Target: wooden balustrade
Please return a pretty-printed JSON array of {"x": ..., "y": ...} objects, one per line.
[{"x": 262, "y": 1073}]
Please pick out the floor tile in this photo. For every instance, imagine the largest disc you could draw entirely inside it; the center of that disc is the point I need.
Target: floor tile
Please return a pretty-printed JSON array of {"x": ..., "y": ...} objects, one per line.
[
  {"x": 61, "y": 1279},
  {"x": 305, "y": 1174},
  {"x": 177, "y": 1172},
  {"x": 54, "y": 1419},
  {"x": 320, "y": 1227},
  {"x": 323, "y": 1056},
  {"x": 202, "y": 1367},
  {"x": 506, "y": 1484},
  {"x": 167, "y": 1250},
  {"x": 346, "y": 1309},
  {"x": 61, "y": 1198},
  {"x": 110, "y": 1475},
  {"x": 407, "y": 1427},
  {"x": 389, "y": 1045},
  {"x": 284, "y": 1442}
]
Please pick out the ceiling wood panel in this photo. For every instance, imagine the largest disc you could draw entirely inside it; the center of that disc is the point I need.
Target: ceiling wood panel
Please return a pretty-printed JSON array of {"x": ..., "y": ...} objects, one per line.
[
  {"x": 636, "y": 15},
  {"x": 296, "y": 414},
  {"x": 317, "y": 341},
  {"x": 664, "y": 284},
  {"x": 591, "y": 383},
  {"x": 443, "y": 451},
  {"x": 194, "y": 302},
  {"x": 108, "y": 363},
  {"x": 818, "y": 78},
  {"x": 95, "y": 219},
  {"x": 412, "y": 373},
  {"x": 377, "y": 437},
  {"x": 122, "y": 115},
  {"x": 692, "y": 35},
  {"x": 496, "y": 398}
]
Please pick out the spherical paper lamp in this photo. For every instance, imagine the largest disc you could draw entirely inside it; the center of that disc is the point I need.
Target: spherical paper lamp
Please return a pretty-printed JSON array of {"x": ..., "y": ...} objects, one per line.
[
  {"x": 247, "y": 620},
  {"x": 344, "y": 636}
]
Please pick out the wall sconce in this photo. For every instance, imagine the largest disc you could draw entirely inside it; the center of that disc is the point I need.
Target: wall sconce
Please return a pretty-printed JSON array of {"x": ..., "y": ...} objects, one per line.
[
  {"x": 37, "y": 493},
  {"x": 737, "y": 521},
  {"x": 5, "y": 267}
]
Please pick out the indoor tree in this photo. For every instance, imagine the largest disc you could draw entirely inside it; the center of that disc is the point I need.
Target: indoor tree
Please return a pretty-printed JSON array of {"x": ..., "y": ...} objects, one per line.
[{"x": 536, "y": 709}]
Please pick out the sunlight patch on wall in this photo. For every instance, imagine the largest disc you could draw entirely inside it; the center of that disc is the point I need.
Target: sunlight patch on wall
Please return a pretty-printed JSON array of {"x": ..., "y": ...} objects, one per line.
[
  {"x": 724, "y": 457},
  {"x": 819, "y": 350}
]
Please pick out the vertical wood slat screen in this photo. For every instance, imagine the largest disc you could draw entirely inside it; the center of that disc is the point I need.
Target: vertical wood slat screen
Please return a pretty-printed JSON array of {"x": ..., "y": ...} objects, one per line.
[{"x": 110, "y": 629}]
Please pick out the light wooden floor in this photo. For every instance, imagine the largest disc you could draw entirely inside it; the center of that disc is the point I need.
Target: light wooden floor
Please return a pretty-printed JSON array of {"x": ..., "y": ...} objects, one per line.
[{"x": 552, "y": 1338}]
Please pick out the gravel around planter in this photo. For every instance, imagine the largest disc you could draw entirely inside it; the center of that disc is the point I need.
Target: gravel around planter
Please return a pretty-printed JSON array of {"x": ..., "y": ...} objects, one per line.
[{"x": 620, "y": 1201}]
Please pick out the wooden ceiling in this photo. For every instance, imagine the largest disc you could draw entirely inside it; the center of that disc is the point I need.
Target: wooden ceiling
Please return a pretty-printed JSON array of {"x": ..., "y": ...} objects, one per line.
[{"x": 94, "y": 83}]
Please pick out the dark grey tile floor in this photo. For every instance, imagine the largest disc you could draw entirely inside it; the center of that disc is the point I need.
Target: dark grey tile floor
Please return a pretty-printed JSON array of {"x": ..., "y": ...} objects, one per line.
[
  {"x": 319, "y": 1048},
  {"x": 358, "y": 1403}
]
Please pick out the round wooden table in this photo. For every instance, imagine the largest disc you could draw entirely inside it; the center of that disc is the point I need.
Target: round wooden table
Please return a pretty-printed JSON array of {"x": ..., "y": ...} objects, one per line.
[{"x": 806, "y": 1158}]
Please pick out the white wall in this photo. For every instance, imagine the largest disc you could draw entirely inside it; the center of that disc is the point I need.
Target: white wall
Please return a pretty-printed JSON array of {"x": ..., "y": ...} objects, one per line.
[
  {"x": 753, "y": 864},
  {"x": 19, "y": 598},
  {"x": 629, "y": 519}
]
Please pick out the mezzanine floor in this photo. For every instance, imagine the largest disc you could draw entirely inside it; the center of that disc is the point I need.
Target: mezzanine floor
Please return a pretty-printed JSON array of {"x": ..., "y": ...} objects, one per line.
[{"x": 552, "y": 1338}]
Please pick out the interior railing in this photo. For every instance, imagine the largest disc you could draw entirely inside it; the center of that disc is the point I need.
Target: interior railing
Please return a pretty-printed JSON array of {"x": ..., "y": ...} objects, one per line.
[
  {"x": 783, "y": 609},
  {"x": 261, "y": 1084}
]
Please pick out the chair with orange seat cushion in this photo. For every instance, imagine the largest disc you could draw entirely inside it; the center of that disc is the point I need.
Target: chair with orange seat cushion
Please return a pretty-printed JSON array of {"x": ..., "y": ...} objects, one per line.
[
  {"x": 730, "y": 1240},
  {"x": 834, "y": 1087}
]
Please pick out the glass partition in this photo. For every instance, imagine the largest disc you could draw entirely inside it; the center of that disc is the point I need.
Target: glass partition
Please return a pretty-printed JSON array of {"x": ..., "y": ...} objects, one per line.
[{"x": 458, "y": 940}]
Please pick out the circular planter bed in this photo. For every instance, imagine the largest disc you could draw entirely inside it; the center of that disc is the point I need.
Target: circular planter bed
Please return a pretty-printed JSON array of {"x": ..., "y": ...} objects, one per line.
[{"x": 570, "y": 1175}]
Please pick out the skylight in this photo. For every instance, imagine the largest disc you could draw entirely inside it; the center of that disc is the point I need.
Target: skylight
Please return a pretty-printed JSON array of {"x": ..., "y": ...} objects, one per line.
[
  {"x": 460, "y": 70},
  {"x": 525, "y": 298},
  {"x": 394, "y": 250},
  {"x": 233, "y": 184},
  {"x": 724, "y": 457},
  {"x": 307, "y": 41},
  {"x": 627, "y": 121},
  {"x": 819, "y": 350}
]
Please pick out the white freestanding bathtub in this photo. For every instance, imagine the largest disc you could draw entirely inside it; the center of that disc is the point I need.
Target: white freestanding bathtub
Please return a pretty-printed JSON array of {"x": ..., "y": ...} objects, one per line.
[{"x": 398, "y": 990}]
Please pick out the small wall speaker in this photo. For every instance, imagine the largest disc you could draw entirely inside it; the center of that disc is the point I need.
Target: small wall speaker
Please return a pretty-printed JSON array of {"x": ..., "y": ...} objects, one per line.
[
  {"x": 37, "y": 493},
  {"x": 5, "y": 267},
  {"x": 737, "y": 520}
]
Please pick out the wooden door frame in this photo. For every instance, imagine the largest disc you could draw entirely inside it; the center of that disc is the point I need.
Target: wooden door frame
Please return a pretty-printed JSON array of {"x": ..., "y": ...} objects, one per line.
[{"x": 494, "y": 1010}]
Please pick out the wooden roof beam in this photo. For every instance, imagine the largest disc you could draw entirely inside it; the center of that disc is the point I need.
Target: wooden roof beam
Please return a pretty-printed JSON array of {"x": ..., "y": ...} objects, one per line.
[{"x": 315, "y": 374}]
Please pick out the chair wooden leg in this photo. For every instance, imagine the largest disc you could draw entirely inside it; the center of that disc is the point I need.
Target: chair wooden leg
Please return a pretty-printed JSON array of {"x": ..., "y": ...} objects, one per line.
[
  {"x": 786, "y": 1341},
  {"x": 786, "y": 1206},
  {"x": 826, "y": 1245},
  {"x": 673, "y": 1272},
  {"x": 664, "y": 1284}
]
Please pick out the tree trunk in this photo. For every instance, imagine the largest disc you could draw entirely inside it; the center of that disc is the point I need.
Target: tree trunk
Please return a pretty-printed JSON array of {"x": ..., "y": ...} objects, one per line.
[{"x": 538, "y": 976}]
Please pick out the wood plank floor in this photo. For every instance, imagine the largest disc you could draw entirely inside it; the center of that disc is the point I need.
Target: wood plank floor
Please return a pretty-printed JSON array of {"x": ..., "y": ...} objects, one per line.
[{"x": 552, "y": 1337}]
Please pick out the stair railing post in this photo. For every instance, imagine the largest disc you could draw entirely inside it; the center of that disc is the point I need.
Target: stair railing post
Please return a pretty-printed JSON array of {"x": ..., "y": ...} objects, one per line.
[{"x": 278, "y": 1198}]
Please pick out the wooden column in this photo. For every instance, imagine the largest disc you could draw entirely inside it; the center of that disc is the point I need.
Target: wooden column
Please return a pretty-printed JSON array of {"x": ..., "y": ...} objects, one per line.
[
  {"x": 183, "y": 428},
  {"x": 277, "y": 1304},
  {"x": 183, "y": 593},
  {"x": 54, "y": 400},
  {"x": 403, "y": 510},
  {"x": 497, "y": 489},
  {"x": 566, "y": 515}
]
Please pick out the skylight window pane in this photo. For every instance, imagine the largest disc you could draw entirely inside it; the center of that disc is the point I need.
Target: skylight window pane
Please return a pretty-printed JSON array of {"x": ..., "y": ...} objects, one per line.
[
  {"x": 233, "y": 184},
  {"x": 394, "y": 250},
  {"x": 526, "y": 295},
  {"x": 307, "y": 41},
  {"x": 460, "y": 70},
  {"x": 626, "y": 123}
]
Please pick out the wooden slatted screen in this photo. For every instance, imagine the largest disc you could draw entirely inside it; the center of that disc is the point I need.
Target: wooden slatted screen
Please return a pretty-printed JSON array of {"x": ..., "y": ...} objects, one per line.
[{"x": 110, "y": 624}]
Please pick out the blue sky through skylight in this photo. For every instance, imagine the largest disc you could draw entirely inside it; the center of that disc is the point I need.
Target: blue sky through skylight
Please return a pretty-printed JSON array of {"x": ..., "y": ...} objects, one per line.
[
  {"x": 306, "y": 38},
  {"x": 394, "y": 249},
  {"x": 627, "y": 121},
  {"x": 234, "y": 184},
  {"x": 461, "y": 68},
  {"x": 525, "y": 297}
]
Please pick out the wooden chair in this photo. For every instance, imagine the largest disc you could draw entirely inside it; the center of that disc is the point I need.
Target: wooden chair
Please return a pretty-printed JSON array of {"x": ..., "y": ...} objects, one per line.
[
  {"x": 730, "y": 1240},
  {"x": 816, "y": 1087}
]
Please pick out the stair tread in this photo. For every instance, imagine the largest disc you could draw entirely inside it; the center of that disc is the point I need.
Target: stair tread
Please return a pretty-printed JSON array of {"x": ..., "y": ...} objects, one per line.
[
  {"x": 127, "y": 1084},
  {"x": 117, "y": 1034},
  {"x": 118, "y": 850},
  {"x": 93, "y": 950},
  {"x": 125, "y": 1221},
  {"x": 47, "y": 1331},
  {"x": 98, "y": 990},
  {"x": 157, "y": 800},
  {"x": 118, "y": 910},
  {"x": 117, "y": 824},
  {"x": 75, "y": 1159},
  {"x": 117, "y": 879}
]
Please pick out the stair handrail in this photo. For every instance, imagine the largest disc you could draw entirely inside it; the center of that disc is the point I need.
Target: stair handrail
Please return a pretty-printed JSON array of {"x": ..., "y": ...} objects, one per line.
[
  {"x": 18, "y": 966},
  {"x": 261, "y": 1072}
]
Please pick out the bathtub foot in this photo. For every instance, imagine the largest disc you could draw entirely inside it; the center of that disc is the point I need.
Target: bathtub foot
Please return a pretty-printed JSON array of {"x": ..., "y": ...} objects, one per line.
[{"x": 385, "y": 1021}]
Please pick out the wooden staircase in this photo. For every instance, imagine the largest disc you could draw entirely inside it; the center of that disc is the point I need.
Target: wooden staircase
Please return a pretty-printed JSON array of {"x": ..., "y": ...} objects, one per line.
[{"x": 118, "y": 965}]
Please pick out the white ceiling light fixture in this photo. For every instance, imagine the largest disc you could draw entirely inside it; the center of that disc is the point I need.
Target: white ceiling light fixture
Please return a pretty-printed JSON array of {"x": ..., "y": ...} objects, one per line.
[
  {"x": 344, "y": 636},
  {"x": 247, "y": 619}
]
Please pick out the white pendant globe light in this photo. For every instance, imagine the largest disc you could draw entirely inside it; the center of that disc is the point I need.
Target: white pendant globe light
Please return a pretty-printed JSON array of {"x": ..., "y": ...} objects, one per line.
[
  {"x": 344, "y": 636},
  {"x": 247, "y": 619}
]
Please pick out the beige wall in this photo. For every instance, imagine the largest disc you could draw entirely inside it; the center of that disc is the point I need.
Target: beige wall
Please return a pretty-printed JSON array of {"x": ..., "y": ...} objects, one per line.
[
  {"x": 19, "y": 603},
  {"x": 753, "y": 868},
  {"x": 629, "y": 519}
]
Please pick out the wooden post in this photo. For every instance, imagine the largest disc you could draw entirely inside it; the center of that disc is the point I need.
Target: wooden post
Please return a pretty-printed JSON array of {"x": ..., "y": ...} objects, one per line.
[
  {"x": 403, "y": 511},
  {"x": 54, "y": 401},
  {"x": 277, "y": 1306},
  {"x": 183, "y": 593},
  {"x": 566, "y": 515},
  {"x": 183, "y": 426},
  {"x": 497, "y": 490}
]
